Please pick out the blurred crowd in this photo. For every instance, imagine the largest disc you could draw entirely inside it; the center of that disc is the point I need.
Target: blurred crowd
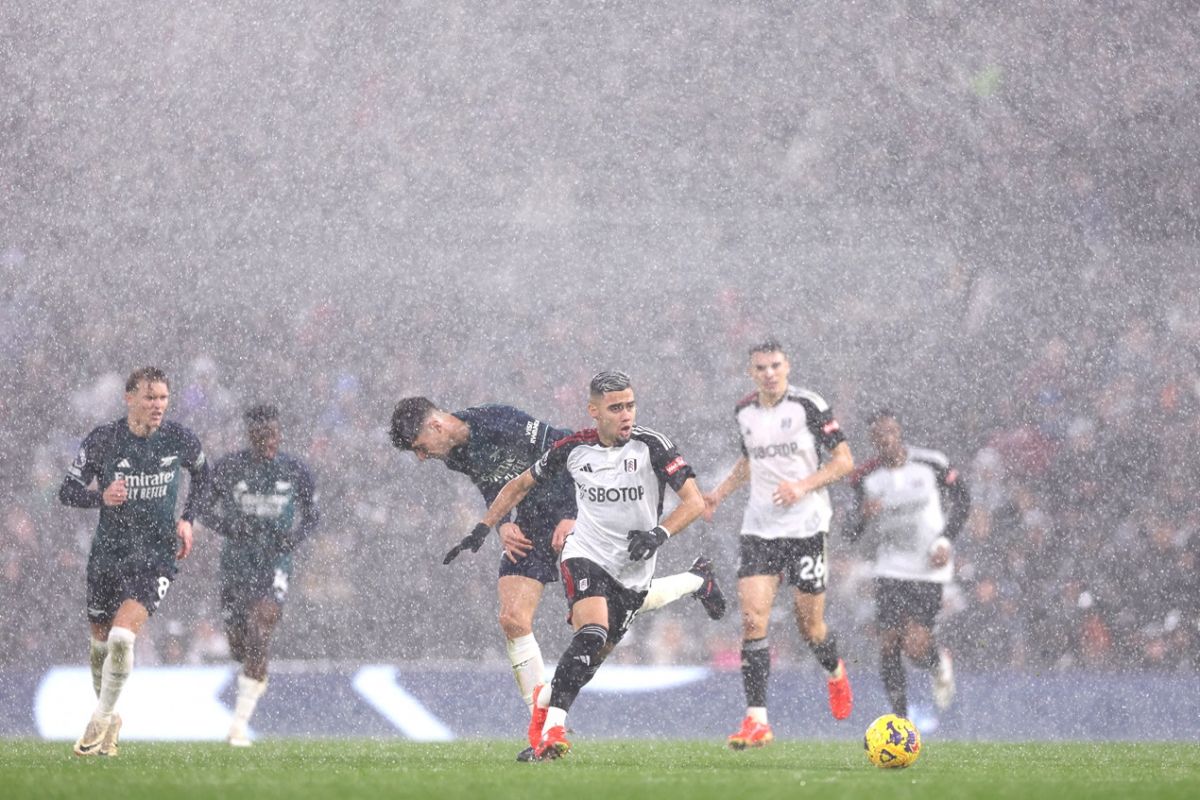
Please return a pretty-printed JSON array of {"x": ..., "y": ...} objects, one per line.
[
  {"x": 985, "y": 219},
  {"x": 1082, "y": 461}
]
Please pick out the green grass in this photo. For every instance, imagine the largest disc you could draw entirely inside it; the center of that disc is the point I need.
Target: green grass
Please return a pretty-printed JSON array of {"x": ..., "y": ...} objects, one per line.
[{"x": 687, "y": 770}]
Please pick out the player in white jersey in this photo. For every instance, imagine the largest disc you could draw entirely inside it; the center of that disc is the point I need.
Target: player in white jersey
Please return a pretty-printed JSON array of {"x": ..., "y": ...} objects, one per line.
[
  {"x": 784, "y": 527},
  {"x": 620, "y": 471},
  {"x": 903, "y": 495}
]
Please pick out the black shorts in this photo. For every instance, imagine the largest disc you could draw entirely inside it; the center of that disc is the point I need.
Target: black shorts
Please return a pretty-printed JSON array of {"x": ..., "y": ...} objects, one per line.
[
  {"x": 583, "y": 578},
  {"x": 239, "y": 596},
  {"x": 801, "y": 562},
  {"x": 898, "y": 602},
  {"x": 540, "y": 563},
  {"x": 112, "y": 583}
]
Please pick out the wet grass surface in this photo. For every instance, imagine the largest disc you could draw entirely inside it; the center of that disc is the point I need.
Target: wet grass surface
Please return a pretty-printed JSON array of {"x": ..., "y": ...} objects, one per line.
[{"x": 623, "y": 770}]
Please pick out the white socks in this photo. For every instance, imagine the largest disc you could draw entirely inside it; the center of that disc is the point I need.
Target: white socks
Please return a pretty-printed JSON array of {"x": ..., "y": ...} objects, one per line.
[
  {"x": 248, "y": 692},
  {"x": 670, "y": 588},
  {"x": 528, "y": 668},
  {"x": 117, "y": 666},
  {"x": 758, "y": 714},
  {"x": 554, "y": 718},
  {"x": 96, "y": 655}
]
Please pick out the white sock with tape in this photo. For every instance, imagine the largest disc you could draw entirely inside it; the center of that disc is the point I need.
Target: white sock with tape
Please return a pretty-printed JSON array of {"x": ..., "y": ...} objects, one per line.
[
  {"x": 117, "y": 666},
  {"x": 528, "y": 668}
]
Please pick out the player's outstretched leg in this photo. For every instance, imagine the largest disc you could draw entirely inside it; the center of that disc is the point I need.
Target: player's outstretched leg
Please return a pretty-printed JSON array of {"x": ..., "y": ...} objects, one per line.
[
  {"x": 709, "y": 594},
  {"x": 670, "y": 588}
]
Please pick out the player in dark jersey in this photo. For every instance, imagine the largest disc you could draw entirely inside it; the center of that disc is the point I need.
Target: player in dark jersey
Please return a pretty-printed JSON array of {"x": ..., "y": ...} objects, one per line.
[
  {"x": 619, "y": 472},
  {"x": 784, "y": 528},
  {"x": 491, "y": 445},
  {"x": 264, "y": 503},
  {"x": 914, "y": 503},
  {"x": 134, "y": 463}
]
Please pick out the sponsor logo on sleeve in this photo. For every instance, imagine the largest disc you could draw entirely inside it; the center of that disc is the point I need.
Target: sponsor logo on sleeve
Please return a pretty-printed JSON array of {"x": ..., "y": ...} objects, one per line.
[
  {"x": 675, "y": 465},
  {"x": 830, "y": 427}
]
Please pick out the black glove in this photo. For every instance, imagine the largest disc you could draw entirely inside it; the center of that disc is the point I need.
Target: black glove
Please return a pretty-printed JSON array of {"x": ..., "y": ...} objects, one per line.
[
  {"x": 642, "y": 544},
  {"x": 472, "y": 541}
]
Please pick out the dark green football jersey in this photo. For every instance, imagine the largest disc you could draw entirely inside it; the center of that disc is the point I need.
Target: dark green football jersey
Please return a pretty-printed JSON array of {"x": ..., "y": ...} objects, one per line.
[
  {"x": 263, "y": 508},
  {"x": 141, "y": 529}
]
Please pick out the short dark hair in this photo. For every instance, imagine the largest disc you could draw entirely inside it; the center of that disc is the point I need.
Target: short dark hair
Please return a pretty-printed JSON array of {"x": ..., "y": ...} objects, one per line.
[
  {"x": 261, "y": 414},
  {"x": 146, "y": 374},
  {"x": 609, "y": 381},
  {"x": 768, "y": 346},
  {"x": 407, "y": 419},
  {"x": 881, "y": 413}
]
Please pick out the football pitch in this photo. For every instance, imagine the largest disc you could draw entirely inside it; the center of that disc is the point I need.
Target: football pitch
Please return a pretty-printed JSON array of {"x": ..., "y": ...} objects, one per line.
[{"x": 622, "y": 770}]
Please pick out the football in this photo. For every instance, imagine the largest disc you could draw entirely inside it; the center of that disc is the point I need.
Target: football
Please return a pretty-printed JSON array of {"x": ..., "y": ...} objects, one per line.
[{"x": 892, "y": 742}]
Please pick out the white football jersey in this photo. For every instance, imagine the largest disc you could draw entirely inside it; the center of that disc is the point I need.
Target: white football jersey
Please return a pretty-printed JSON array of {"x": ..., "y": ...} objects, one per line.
[
  {"x": 912, "y": 516},
  {"x": 617, "y": 490},
  {"x": 781, "y": 443}
]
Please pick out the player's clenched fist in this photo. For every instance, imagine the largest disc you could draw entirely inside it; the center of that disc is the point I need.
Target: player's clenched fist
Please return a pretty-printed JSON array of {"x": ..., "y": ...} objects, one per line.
[
  {"x": 116, "y": 493},
  {"x": 642, "y": 544}
]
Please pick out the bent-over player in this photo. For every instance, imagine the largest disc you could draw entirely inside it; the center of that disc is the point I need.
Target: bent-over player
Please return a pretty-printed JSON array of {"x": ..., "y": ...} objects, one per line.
[{"x": 492, "y": 444}]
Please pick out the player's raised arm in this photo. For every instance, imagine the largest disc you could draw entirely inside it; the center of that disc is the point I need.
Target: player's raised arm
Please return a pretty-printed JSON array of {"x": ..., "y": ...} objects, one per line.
[{"x": 513, "y": 493}]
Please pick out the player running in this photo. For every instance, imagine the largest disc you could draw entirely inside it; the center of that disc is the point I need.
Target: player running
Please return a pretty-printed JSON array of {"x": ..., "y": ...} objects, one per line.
[
  {"x": 903, "y": 496},
  {"x": 491, "y": 445},
  {"x": 256, "y": 495},
  {"x": 784, "y": 527},
  {"x": 134, "y": 463},
  {"x": 618, "y": 470}
]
